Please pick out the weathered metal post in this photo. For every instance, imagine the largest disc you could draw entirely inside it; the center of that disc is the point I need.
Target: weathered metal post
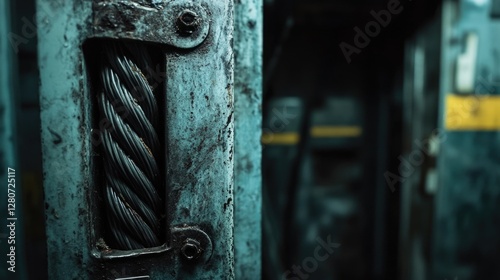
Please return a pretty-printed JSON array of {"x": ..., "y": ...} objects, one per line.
[
  {"x": 248, "y": 127},
  {"x": 137, "y": 131},
  {"x": 11, "y": 233}
]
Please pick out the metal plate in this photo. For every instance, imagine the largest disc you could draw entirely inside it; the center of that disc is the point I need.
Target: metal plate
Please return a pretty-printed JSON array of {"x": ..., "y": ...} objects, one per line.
[{"x": 155, "y": 23}]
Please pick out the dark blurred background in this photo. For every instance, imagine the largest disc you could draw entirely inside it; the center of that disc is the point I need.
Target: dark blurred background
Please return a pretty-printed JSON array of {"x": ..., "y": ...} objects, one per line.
[
  {"x": 352, "y": 146},
  {"x": 351, "y": 151}
]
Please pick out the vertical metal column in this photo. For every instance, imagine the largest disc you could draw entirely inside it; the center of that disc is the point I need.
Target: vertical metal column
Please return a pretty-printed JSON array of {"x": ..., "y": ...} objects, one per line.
[
  {"x": 197, "y": 102},
  {"x": 248, "y": 127},
  {"x": 13, "y": 259},
  {"x": 466, "y": 243}
]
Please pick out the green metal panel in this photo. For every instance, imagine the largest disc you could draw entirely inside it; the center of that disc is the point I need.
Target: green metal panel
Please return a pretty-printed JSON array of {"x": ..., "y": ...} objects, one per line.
[
  {"x": 466, "y": 244},
  {"x": 199, "y": 138},
  {"x": 248, "y": 123},
  {"x": 10, "y": 237}
]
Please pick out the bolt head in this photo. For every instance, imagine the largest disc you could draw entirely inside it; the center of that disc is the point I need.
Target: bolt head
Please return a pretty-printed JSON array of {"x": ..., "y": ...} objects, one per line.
[
  {"x": 191, "y": 249},
  {"x": 187, "y": 22}
]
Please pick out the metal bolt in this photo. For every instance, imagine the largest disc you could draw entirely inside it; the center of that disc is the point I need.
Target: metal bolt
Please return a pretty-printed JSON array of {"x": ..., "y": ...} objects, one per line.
[
  {"x": 187, "y": 22},
  {"x": 191, "y": 249}
]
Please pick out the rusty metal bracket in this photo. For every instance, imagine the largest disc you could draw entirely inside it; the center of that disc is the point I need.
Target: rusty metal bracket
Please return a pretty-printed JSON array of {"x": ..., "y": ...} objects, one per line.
[
  {"x": 190, "y": 242},
  {"x": 195, "y": 245},
  {"x": 183, "y": 24}
]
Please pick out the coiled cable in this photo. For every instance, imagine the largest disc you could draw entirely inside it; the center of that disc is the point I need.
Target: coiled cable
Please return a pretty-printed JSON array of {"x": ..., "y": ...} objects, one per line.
[{"x": 130, "y": 146}]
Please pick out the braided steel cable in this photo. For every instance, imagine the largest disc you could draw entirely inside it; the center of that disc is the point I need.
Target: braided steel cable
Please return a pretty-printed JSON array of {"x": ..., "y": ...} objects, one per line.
[{"x": 130, "y": 146}]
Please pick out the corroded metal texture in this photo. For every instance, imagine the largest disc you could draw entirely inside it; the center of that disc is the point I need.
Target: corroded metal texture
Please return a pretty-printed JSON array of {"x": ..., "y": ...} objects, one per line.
[
  {"x": 199, "y": 152},
  {"x": 65, "y": 130},
  {"x": 200, "y": 137},
  {"x": 248, "y": 124},
  {"x": 152, "y": 21}
]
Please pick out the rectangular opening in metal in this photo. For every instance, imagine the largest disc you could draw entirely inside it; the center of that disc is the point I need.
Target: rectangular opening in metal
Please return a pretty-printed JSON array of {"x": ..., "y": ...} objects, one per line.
[{"x": 127, "y": 196}]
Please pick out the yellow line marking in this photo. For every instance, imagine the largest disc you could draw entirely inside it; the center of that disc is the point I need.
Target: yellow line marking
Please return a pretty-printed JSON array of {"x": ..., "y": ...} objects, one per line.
[
  {"x": 335, "y": 131},
  {"x": 472, "y": 112},
  {"x": 292, "y": 138}
]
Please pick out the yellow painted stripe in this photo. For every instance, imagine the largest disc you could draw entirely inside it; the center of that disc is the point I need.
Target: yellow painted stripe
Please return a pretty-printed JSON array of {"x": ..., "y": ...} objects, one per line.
[
  {"x": 335, "y": 131},
  {"x": 472, "y": 113},
  {"x": 290, "y": 138}
]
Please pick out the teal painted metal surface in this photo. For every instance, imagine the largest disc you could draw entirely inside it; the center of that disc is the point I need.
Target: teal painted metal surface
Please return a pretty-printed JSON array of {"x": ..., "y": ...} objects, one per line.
[
  {"x": 466, "y": 243},
  {"x": 11, "y": 233},
  {"x": 248, "y": 127},
  {"x": 200, "y": 151},
  {"x": 65, "y": 128}
]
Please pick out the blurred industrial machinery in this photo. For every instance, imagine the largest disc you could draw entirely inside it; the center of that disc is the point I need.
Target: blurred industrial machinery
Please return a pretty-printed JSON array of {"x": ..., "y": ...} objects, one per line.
[{"x": 385, "y": 141}]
